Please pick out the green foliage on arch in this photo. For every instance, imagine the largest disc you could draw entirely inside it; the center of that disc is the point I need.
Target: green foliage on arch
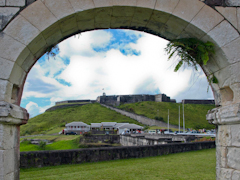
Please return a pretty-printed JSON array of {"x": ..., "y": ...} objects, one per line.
[{"x": 192, "y": 52}]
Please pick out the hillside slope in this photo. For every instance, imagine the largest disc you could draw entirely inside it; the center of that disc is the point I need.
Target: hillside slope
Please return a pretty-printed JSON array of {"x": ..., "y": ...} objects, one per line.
[
  {"x": 90, "y": 113},
  {"x": 195, "y": 114}
]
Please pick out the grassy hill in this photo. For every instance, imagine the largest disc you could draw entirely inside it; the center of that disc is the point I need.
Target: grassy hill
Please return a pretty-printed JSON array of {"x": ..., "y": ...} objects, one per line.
[
  {"x": 53, "y": 121},
  {"x": 195, "y": 114}
]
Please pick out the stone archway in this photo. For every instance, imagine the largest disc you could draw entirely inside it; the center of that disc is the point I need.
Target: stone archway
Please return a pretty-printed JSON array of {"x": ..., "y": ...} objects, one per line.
[{"x": 45, "y": 23}]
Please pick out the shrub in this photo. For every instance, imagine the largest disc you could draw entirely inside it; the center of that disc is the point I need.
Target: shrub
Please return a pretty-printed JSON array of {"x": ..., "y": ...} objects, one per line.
[{"x": 42, "y": 145}]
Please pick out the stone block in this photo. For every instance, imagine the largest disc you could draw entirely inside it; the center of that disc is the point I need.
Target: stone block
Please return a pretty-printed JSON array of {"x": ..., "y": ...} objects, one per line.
[
  {"x": 236, "y": 175},
  {"x": 235, "y": 133},
  {"x": 228, "y": 114},
  {"x": 233, "y": 158},
  {"x": 238, "y": 19},
  {"x": 21, "y": 30},
  {"x": 146, "y": 4},
  {"x": 235, "y": 74},
  {"x": 207, "y": 19},
  {"x": 2, "y": 2},
  {"x": 39, "y": 15},
  {"x": 5, "y": 90},
  {"x": 212, "y": 65},
  {"x": 232, "y": 52},
  {"x": 123, "y": 11},
  {"x": 233, "y": 2},
  {"x": 37, "y": 43},
  {"x": 68, "y": 25},
  {"x": 60, "y": 9},
  {"x": 103, "y": 17},
  {"x": 86, "y": 25},
  {"x": 193, "y": 31},
  {"x": 17, "y": 75},
  {"x": 6, "y": 67},
  {"x": 221, "y": 155},
  {"x": 6, "y": 14},
  {"x": 220, "y": 58},
  {"x": 80, "y": 5},
  {"x": 15, "y": 2},
  {"x": 223, "y": 135},
  {"x": 124, "y": 2},
  {"x": 9, "y": 47},
  {"x": 53, "y": 34},
  {"x": 103, "y": 3},
  {"x": 86, "y": 15},
  {"x": 141, "y": 17},
  {"x": 166, "y": 5},
  {"x": 9, "y": 161},
  {"x": 225, "y": 174},
  {"x": 236, "y": 91},
  {"x": 187, "y": 9},
  {"x": 9, "y": 137},
  {"x": 230, "y": 14},
  {"x": 224, "y": 77},
  {"x": 23, "y": 56},
  {"x": 122, "y": 22},
  {"x": 175, "y": 25},
  {"x": 223, "y": 33}
]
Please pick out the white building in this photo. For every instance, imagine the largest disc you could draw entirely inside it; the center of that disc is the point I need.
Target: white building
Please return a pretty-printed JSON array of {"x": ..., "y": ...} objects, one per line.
[{"x": 77, "y": 127}]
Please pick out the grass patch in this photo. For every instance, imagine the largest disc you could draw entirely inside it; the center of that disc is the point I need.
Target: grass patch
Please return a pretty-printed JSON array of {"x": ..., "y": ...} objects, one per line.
[
  {"x": 181, "y": 166},
  {"x": 158, "y": 127},
  {"x": 195, "y": 114},
  {"x": 59, "y": 143},
  {"x": 51, "y": 121}
]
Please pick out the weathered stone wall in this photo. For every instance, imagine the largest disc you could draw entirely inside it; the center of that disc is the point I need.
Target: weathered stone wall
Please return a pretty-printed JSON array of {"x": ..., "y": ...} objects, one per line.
[
  {"x": 142, "y": 140},
  {"x": 198, "y": 101},
  {"x": 63, "y": 106},
  {"x": 78, "y": 156},
  {"x": 113, "y": 139},
  {"x": 73, "y": 101},
  {"x": 11, "y": 8},
  {"x": 141, "y": 119}
]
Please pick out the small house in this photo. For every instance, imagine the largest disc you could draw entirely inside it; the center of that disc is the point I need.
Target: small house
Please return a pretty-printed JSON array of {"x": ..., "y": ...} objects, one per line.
[{"x": 77, "y": 127}]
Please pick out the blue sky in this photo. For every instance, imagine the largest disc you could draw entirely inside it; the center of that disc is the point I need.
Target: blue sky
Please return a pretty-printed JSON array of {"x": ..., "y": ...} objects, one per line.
[{"x": 118, "y": 61}]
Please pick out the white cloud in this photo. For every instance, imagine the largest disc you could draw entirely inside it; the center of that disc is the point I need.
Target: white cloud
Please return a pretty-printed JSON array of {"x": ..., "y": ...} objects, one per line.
[{"x": 89, "y": 71}]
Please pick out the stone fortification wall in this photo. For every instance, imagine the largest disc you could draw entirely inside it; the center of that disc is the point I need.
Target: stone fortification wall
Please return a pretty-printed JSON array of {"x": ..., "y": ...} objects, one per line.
[
  {"x": 198, "y": 101},
  {"x": 64, "y": 106},
  {"x": 113, "y": 139},
  {"x": 73, "y": 101},
  {"x": 141, "y": 119},
  {"x": 142, "y": 140},
  {"x": 78, "y": 156},
  {"x": 122, "y": 99},
  {"x": 109, "y": 100}
]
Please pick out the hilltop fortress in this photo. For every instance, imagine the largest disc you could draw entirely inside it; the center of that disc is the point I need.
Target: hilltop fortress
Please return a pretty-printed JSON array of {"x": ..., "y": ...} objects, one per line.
[{"x": 116, "y": 100}]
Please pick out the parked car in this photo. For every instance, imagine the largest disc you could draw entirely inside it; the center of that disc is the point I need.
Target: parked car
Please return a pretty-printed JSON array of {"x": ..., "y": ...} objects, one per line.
[
  {"x": 152, "y": 132},
  {"x": 71, "y": 133}
]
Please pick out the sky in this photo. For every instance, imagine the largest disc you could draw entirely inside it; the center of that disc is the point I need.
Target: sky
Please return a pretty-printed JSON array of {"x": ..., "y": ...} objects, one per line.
[{"x": 117, "y": 62}]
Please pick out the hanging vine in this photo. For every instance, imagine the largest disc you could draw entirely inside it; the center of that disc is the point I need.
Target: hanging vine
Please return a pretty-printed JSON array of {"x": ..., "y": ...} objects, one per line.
[{"x": 192, "y": 52}]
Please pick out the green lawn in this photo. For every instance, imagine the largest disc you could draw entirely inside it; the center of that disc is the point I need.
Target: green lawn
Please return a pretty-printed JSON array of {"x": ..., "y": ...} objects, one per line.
[
  {"x": 198, "y": 165},
  {"x": 53, "y": 121},
  {"x": 195, "y": 114},
  {"x": 59, "y": 143}
]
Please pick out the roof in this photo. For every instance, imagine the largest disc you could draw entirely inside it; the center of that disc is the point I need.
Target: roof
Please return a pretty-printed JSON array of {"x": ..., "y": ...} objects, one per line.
[
  {"x": 119, "y": 125},
  {"x": 76, "y": 124},
  {"x": 130, "y": 126},
  {"x": 108, "y": 124},
  {"x": 96, "y": 125}
]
